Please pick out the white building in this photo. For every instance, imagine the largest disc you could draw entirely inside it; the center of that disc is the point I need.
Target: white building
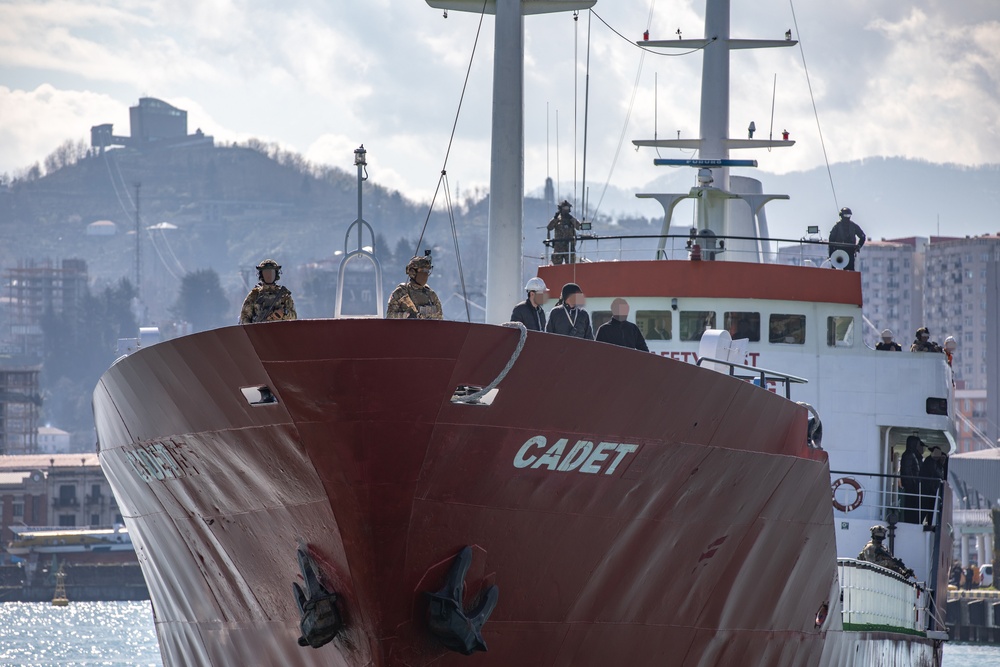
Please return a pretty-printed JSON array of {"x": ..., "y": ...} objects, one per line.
[{"x": 53, "y": 440}]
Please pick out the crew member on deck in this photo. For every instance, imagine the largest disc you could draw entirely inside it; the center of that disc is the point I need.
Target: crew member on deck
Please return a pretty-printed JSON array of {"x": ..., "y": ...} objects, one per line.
[
  {"x": 565, "y": 226},
  {"x": 846, "y": 235},
  {"x": 877, "y": 554},
  {"x": 932, "y": 473},
  {"x": 414, "y": 299},
  {"x": 568, "y": 317},
  {"x": 950, "y": 346},
  {"x": 268, "y": 301},
  {"x": 922, "y": 342},
  {"x": 888, "y": 344},
  {"x": 909, "y": 474},
  {"x": 529, "y": 312},
  {"x": 619, "y": 331}
]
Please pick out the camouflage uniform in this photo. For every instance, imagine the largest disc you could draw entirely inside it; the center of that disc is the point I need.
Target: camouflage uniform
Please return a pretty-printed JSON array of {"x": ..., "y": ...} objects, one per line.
[
  {"x": 410, "y": 301},
  {"x": 877, "y": 554},
  {"x": 268, "y": 302},
  {"x": 564, "y": 225}
]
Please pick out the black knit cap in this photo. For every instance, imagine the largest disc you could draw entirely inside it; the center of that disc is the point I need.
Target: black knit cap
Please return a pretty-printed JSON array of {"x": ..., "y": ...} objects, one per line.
[{"x": 569, "y": 289}]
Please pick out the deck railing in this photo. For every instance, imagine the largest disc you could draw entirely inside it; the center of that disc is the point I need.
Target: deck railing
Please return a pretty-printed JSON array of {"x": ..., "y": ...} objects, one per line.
[
  {"x": 877, "y": 599},
  {"x": 881, "y": 497}
]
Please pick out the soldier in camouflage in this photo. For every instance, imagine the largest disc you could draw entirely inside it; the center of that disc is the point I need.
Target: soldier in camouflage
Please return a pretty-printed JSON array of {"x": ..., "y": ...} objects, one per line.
[
  {"x": 268, "y": 301},
  {"x": 877, "y": 554},
  {"x": 565, "y": 226},
  {"x": 414, "y": 300}
]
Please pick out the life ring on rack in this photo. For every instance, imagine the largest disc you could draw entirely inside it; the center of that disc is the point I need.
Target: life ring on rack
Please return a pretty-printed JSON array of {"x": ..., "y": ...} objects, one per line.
[{"x": 859, "y": 493}]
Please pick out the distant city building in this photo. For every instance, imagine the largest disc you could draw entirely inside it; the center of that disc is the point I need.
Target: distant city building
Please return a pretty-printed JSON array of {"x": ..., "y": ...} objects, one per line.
[
  {"x": 153, "y": 124},
  {"x": 972, "y": 423},
  {"x": 19, "y": 403},
  {"x": 36, "y": 288},
  {"x": 53, "y": 440},
  {"x": 54, "y": 490},
  {"x": 892, "y": 285}
]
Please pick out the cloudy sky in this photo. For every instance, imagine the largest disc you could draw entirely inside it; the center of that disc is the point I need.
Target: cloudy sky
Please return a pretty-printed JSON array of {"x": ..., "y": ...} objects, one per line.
[{"x": 916, "y": 79}]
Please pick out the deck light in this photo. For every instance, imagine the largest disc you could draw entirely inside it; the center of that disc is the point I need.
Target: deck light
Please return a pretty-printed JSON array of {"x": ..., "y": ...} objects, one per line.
[{"x": 359, "y": 156}]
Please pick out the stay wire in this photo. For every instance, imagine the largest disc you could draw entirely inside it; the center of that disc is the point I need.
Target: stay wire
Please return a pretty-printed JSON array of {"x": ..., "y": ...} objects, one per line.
[
  {"x": 454, "y": 126},
  {"x": 458, "y": 253},
  {"x": 822, "y": 143}
]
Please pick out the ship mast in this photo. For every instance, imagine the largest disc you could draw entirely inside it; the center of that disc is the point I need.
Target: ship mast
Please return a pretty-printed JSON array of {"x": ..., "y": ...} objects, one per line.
[{"x": 506, "y": 236}]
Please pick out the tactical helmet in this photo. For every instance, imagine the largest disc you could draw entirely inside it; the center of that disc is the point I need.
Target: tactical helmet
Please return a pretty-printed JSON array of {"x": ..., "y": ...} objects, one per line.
[
  {"x": 418, "y": 263},
  {"x": 269, "y": 264},
  {"x": 565, "y": 204},
  {"x": 845, "y": 212},
  {"x": 535, "y": 284},
  {"x": 922, "y": 331},
  {"x": 878, "y": 531}
]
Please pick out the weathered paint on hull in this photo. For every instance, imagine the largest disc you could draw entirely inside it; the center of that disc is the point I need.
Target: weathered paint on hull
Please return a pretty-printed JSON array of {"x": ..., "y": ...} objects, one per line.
[
  {"x": 711, "y": 544},
  {"x": 879, "y": 649}
]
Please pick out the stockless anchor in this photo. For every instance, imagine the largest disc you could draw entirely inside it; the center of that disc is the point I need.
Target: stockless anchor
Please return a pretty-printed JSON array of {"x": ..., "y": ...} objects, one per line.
[
  {"x": 320, "y": 620},
  {"x": 460, "y": 630}
]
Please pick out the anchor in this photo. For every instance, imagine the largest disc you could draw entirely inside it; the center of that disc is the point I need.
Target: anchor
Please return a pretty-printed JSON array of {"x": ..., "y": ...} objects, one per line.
[
  {"x": 457, "y": 629},
  {"x": 320, "y": 620}
]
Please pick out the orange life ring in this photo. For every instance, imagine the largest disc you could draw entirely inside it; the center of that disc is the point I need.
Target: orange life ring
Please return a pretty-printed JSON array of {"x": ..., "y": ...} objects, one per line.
[{"x": 850, "y": 481}]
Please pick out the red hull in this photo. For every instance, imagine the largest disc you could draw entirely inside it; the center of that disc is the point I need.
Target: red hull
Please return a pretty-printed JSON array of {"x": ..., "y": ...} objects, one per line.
[{"x": 710, "y": 544}]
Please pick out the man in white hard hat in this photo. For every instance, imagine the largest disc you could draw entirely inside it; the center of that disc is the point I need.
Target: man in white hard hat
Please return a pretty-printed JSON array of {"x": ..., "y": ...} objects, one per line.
[
  {"x": 529, "y": 312},
  {"x": 888, "y": 344}
]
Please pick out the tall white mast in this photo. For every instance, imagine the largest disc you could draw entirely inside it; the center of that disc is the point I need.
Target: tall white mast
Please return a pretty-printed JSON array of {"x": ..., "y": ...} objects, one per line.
[{"x": 503, "y": 267}]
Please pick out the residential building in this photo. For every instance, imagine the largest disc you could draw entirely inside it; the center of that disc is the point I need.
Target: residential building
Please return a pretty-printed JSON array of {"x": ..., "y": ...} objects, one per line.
[
  {"x": 892, "y": 285},
  {"x": 972, "y": 423},
  {"x": 53, "y": 440},
  {"x": 19, "y": 404}
]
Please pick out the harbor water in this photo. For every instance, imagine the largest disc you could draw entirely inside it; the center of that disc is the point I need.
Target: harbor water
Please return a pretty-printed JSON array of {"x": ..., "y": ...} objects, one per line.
[{"x": 120, "y": 634}]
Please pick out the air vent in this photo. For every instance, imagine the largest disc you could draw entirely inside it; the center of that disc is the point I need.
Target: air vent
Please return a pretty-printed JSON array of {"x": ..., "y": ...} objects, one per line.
[{"x": 259, "y": 395}]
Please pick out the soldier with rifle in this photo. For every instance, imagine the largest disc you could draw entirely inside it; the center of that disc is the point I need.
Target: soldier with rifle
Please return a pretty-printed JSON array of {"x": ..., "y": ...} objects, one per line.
[
  {"x": 268, "y": 301},
  {"x": 414, "y": 299},
  {"x": 875, "y": 553}
]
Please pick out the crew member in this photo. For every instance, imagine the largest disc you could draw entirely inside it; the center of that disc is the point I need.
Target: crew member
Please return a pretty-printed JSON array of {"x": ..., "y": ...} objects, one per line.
[
  {"x": 874, "y": 552},
  {"x": 909, "y": 478},
  {"x": 923, "y": 343},
  {"x": 568, "y": 317},
  {"x": 565, "y": 226},
  {"x": 619, "y": 331},
  {"x": 888, "y": 344},
  {"x": 949, "y": 348},
  {"x": 931, "y": 475},
  {"x": 414, "y": 299},
  {"x": 846, "y": 235},
  {"x": 268, "y": 301},
  {"x": 529, "y": 312}
]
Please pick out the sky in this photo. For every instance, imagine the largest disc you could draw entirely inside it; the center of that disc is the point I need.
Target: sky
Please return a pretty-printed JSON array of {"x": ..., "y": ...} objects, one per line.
[{"x": 916, "y": 79}]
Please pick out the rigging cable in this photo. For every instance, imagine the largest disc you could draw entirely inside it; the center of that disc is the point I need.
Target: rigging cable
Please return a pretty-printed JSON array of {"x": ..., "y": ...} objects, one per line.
[
  {"x": 458, "y": 254},
  {"x": 586, "y": 118},
  {"x": 443, "y": 179},
  {"x": 648, "y": 50},
  {"x": 576, "y": 95},
  {"x": 774, "y": 92},
  {"x": 812, "y": 97}
]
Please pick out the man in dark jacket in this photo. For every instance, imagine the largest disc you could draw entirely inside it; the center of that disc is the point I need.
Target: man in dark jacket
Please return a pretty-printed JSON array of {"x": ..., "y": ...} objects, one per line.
[
  {"x": 931, "y": 475},
  {"x": 888, "y": 344},
  {"x": 568, "y": 317},
  {"x": 909, "y": 473},
  {"x": 846, "y": 235},
  {"x": 619, "y": 331},
  {"x": 529, "y": 312}
]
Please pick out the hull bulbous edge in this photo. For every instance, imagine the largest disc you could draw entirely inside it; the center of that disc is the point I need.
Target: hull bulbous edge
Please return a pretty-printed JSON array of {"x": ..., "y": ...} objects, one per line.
[{"x": 630, "y": 509}]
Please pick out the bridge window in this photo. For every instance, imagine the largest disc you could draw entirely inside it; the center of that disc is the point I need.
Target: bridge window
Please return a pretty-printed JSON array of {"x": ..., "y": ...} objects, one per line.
[
  {"x": 655, "y": 324},
  {"x": 743, "y": 325},
  {"x": 840, "y": 331},
  {"x": 787, "y": 329},
  {"x": 599, "y": 317},
  {"x": 696, "y": 322}
]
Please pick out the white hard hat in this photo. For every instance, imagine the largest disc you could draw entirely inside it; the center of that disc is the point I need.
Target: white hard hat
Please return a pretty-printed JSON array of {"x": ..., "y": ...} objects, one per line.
[
  {"x": 535, "y": 284},
  {"x": 886, "y": 333}
]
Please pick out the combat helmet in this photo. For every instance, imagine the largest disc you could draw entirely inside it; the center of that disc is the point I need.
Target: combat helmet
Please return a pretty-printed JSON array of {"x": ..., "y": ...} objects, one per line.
[
  {"x": 269, "y": 264},
  {"x": 845, "y": 212},
  {"x": 417, "y": 263},
  {"x": 878, "y": 532},
  {"x": 565, "y": 204}
]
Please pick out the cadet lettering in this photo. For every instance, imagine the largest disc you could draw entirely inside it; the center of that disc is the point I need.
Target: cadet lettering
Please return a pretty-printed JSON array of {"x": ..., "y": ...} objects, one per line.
[{"x": 584, "y": 456}]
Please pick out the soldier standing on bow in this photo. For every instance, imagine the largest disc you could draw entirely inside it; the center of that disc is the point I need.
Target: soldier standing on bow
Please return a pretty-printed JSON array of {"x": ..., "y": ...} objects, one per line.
[
  {"x": 565, "y": 226},
  {"x": 268, "y": 301},
  {"x": 414, "y": 299}
]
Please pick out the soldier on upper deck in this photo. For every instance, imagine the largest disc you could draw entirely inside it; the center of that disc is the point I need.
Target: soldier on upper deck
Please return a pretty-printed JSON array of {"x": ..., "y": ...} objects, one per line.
[
  {"x": 922, "y": 342},
  {"x": 268, "y": 301},
  {"x": 877, "y": 554},
  {"x": 414, "y": 299},
  {"x": 846, "y": 235},
  {"x": 565, "y": 226}
]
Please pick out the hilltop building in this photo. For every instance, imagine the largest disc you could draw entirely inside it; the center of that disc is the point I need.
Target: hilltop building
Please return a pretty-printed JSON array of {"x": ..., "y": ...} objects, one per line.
[{"x": 153, "y": 124}]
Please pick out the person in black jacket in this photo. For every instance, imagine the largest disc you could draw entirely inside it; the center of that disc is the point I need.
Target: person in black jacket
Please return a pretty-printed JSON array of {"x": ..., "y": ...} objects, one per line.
[
  {"x": 569, "y": 318},
  {"x": 909, "y": 473},
  {"x": 931, "y": 475},
  {"x": 846, "y": 235},
  {"x": 619, "y": 331},
  {"x": 888, "y": 344},
  {"x": 529, "y": 312}
]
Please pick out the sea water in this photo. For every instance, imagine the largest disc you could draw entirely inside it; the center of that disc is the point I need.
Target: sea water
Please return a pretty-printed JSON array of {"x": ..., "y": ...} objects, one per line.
[{"x": 120, "y": 634}]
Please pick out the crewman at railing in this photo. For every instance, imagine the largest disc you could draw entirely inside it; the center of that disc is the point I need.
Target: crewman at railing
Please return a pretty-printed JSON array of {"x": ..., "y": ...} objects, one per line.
[
  {"x": 619, "y": 331},
  {"x": 909, "y": 478},
  {"x": 846, "y": 235},
  {"x": 529, "y": 312},
  {"x": 569, "y": 318},
  {"x": 932, "y": 472},
  {"x": 875, "y": 553},
  {"x": 565, "y": 227},
  {"x": 888, "y": 344}
]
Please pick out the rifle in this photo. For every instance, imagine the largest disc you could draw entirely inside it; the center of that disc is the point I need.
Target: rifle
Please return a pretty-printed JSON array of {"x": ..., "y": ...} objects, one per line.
[{"x": 272, "y": 304}]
